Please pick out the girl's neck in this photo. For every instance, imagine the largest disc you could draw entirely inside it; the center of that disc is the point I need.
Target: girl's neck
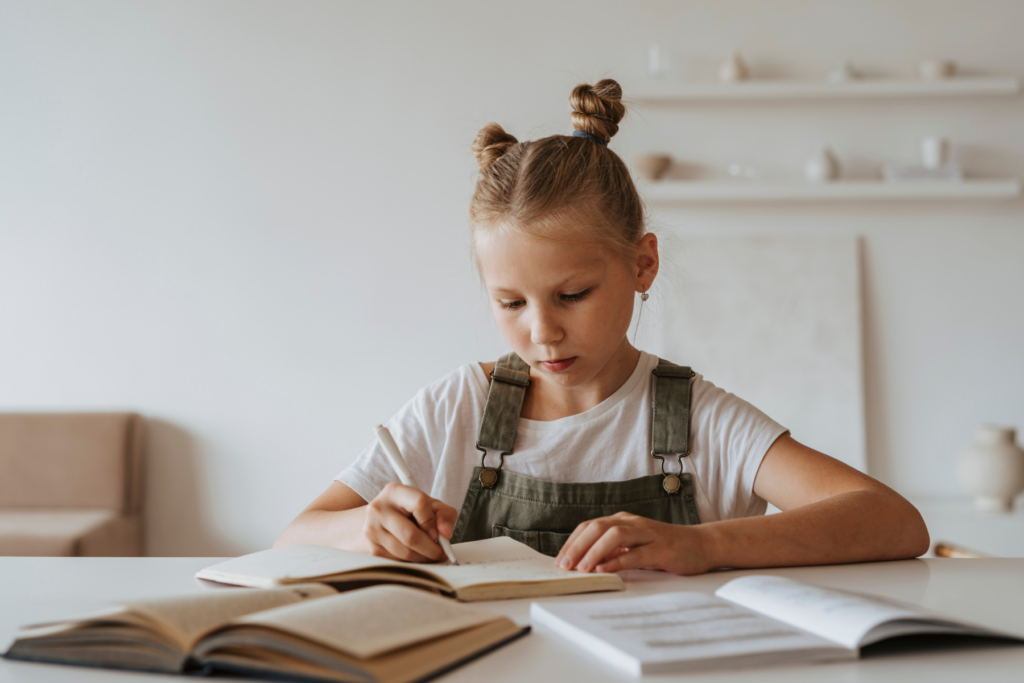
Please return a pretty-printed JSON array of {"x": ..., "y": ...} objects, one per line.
[{"x": 546, "y": 400}]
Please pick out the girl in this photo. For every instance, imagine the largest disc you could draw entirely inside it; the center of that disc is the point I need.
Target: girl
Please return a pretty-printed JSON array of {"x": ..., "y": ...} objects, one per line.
[{"x": 577, "y": 443}]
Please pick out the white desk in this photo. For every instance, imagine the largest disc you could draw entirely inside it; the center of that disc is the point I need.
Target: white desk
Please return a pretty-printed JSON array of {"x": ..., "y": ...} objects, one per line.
[{"x": 990, "y": 592}]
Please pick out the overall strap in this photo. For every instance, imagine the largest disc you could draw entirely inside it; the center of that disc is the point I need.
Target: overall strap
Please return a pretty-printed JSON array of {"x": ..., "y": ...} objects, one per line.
[
  {"x": 670, "y": 424},
  {"x": 509, "y": 379}
]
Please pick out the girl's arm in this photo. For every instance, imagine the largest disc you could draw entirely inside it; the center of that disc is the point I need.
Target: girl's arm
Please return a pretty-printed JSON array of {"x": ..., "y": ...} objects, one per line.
[
  {"x": 831, "y": 514},
  {"x": 400, "y": 523}
]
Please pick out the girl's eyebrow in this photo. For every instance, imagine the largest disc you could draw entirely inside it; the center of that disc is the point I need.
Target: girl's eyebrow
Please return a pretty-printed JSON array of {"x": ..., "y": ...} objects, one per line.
[{"x": 505, "y": 290}]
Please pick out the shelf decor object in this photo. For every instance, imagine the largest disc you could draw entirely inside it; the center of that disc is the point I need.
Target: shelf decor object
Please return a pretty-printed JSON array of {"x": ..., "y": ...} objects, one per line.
[
  {"x": 859, "y": 88},
  {"x": 822, "y": 166},
  {"x": 733, "y": 69},
  {"x": 991, "y": 469},
  {"x": 696, "y": 192},
  {"x": 652, "y": 166}
]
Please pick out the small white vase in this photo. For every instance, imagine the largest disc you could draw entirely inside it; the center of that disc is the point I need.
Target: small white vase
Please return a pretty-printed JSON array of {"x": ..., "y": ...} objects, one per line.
[
  {"x": 821, "y": 166},
  {"x": 843, "y": 73},
  {"x": 992, "y": 468},
  {"x": 732, "y": 69}
]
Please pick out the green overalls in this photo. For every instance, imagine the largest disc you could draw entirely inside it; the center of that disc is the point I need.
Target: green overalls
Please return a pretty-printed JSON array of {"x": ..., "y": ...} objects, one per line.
[{"x": 543, "y": 514}]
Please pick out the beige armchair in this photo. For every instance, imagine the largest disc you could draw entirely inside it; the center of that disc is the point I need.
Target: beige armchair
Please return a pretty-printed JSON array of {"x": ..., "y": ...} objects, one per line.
[{"x": 71, "y": 484}]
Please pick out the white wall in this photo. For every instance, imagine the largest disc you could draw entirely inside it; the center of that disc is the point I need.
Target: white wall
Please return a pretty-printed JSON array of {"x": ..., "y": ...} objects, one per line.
[{"x": 246, "y": 219}]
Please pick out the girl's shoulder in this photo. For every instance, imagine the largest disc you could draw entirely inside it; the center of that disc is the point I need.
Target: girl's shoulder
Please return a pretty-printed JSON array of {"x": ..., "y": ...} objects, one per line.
[
  {"x": 486, "y": 368},
  {"x": 467, "y": 380}
]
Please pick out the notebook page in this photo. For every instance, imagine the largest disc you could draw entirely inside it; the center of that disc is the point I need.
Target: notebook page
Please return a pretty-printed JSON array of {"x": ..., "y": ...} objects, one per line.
[
  {"x": 842, "y": 617},
  {"x": 498, "y": 560},
  {"x": 371, "y": 621},
  {"x": 294, "y": 562},
  {"x": 673, "y": 627}
]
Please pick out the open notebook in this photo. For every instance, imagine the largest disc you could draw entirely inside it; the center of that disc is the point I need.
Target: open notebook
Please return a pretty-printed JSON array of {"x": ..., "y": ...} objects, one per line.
[
  {"x": 754, "y": 620},
  {"x": 387, "y": 634},
  {"x": 492, "y": 569}
]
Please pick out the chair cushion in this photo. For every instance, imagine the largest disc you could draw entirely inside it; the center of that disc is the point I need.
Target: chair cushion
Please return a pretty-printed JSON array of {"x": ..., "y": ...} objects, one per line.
[
  {"x": 76, "y": 460},
  {"x": 50, "y": 532}
]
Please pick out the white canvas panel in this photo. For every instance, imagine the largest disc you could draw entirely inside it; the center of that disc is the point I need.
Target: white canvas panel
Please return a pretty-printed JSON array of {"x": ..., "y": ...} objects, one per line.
[{"x": 776, "y": 321}]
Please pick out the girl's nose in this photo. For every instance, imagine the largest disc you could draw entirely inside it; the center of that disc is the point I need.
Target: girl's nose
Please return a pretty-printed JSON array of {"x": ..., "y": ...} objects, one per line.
[{"x": 545, "y": 329}]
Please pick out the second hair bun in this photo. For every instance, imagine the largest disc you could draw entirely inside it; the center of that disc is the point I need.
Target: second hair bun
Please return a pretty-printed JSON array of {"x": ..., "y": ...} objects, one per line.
[{"x": 597, "y": 109}]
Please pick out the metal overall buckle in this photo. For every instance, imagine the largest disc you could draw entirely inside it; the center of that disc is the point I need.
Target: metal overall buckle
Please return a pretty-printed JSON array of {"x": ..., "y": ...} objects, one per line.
[
  {"x": 489, "y": 475},
  {"x": 672, "y": 483}
]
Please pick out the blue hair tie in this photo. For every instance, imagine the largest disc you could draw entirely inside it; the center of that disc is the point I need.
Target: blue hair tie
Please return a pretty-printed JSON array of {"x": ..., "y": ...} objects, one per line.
[{"x": 581, "y": 134}]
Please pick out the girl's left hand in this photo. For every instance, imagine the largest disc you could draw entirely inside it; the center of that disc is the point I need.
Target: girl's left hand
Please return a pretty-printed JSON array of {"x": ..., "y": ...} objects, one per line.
[{"x": 625, "y": 541}]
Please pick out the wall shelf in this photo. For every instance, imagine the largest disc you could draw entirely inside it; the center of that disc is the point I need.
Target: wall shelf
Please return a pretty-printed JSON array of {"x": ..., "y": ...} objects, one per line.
[
  {"x": 693, "y": 192},
  {"x": 865, "y": 88}
]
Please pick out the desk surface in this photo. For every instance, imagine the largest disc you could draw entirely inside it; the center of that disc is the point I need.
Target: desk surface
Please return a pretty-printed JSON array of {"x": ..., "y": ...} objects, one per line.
[{"x": 989, "y": 592}]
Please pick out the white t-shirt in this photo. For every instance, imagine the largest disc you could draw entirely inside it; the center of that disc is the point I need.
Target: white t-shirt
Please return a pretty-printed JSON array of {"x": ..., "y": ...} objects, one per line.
[{"x": 437, "y": 430}]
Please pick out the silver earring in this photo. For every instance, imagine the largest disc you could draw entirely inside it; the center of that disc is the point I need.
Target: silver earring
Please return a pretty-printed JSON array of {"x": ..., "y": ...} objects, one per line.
[{"x": 643, "y": 297}]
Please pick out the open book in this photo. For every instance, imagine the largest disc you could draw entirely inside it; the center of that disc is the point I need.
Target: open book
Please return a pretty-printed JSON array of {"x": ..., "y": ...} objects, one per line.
[
  {"x": 754, "y": 620},
  {"x": 388, "y": 634},
  {"x": 492, "y": 569}
]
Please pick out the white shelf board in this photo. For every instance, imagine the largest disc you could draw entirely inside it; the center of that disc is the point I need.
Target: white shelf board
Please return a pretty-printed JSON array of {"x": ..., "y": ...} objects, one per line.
[
  {"x": 668, "y": 192},
  {"x": 954, "y": 520},
  {"x": 866, "y": 88}
]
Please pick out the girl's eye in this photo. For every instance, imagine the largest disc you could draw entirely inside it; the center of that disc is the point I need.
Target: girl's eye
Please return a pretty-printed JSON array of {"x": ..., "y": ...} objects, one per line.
[
  {"x": 512, "y": 305},
  {"x": 578, "y": 296}
]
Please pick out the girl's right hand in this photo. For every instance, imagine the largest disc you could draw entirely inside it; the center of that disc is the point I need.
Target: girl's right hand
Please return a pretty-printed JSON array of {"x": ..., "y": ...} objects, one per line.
[{"x": 403, "y": 523}]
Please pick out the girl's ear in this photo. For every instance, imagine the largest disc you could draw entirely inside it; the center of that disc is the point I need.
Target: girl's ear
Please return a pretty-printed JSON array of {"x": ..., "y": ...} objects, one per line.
[{"x": 647, "y": 262}]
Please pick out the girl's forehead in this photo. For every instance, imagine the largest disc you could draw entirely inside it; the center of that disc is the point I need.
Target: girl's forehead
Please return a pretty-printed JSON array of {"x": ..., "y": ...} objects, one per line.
[{"x": 519, "y": 261}]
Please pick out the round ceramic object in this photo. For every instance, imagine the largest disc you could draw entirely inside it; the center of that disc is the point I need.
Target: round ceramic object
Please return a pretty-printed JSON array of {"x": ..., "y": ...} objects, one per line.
[
  {"x": 733, "y": 69},
  {"x": 936, "y": 69},
  {"x": 822, "y": 166},
  {"x": 843, "y": 73},
  {"x": 652, "y": 166},
  {"x": 992, "y": 468}
]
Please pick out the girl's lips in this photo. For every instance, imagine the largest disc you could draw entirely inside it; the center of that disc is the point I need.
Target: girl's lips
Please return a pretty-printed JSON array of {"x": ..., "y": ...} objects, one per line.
[{"x": 558, "y": 365}]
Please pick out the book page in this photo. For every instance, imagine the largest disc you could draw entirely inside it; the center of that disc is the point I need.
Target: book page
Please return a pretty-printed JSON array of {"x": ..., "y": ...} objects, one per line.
[
  {"x": 502, "y": 559},
  {"x": 842, "y": 617},
  {"x": 489, "y": 561},
  {"x": 188, "y": 617},
  {"x": 675, "y": 627},
  {"x": 371, "y": 621},
  {"x": 294, "y": 562}
]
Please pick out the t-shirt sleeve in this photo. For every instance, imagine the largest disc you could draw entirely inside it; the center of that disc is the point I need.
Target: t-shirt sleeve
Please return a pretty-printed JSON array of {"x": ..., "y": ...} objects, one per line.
[
  {"x": 736, "y": 436},
  {"x": 415, "y": 431}
]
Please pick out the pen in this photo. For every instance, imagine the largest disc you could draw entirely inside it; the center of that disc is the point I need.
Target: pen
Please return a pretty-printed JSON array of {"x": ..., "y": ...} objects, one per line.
[{"x": 398, "y": 462}]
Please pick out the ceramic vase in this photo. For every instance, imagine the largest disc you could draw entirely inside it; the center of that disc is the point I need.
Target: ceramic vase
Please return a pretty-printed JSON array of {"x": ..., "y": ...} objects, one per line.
[
  {"x": 842, "y": 73},
  {"x": 992, "y": 469},
  {"x": 652, "y": 166},
  {"x": 732, "y": 69},
  {"x": 821, "y": 166},
  {"x": 936, "y": 69}
]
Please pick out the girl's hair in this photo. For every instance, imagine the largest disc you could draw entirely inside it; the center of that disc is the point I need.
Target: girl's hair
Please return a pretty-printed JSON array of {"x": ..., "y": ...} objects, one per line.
[{"x": 564, "y": 188}]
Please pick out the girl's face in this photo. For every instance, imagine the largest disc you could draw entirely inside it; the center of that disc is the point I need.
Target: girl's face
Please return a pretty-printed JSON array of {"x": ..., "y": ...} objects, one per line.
[{"x": 564, "y": 308}]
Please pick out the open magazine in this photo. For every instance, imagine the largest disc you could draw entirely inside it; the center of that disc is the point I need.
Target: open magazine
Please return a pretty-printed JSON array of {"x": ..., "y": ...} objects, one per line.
[{"x": 753, "y": 620}]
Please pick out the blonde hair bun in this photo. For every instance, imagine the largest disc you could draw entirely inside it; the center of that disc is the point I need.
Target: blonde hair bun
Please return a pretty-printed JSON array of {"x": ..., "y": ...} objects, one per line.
[
  {"x": 491, "y": 144},
  {"x": 597, "y": 109}
]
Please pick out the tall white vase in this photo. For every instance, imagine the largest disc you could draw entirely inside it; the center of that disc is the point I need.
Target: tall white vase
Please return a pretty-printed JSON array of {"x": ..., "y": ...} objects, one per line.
[{"x": 992, "y": 468}]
